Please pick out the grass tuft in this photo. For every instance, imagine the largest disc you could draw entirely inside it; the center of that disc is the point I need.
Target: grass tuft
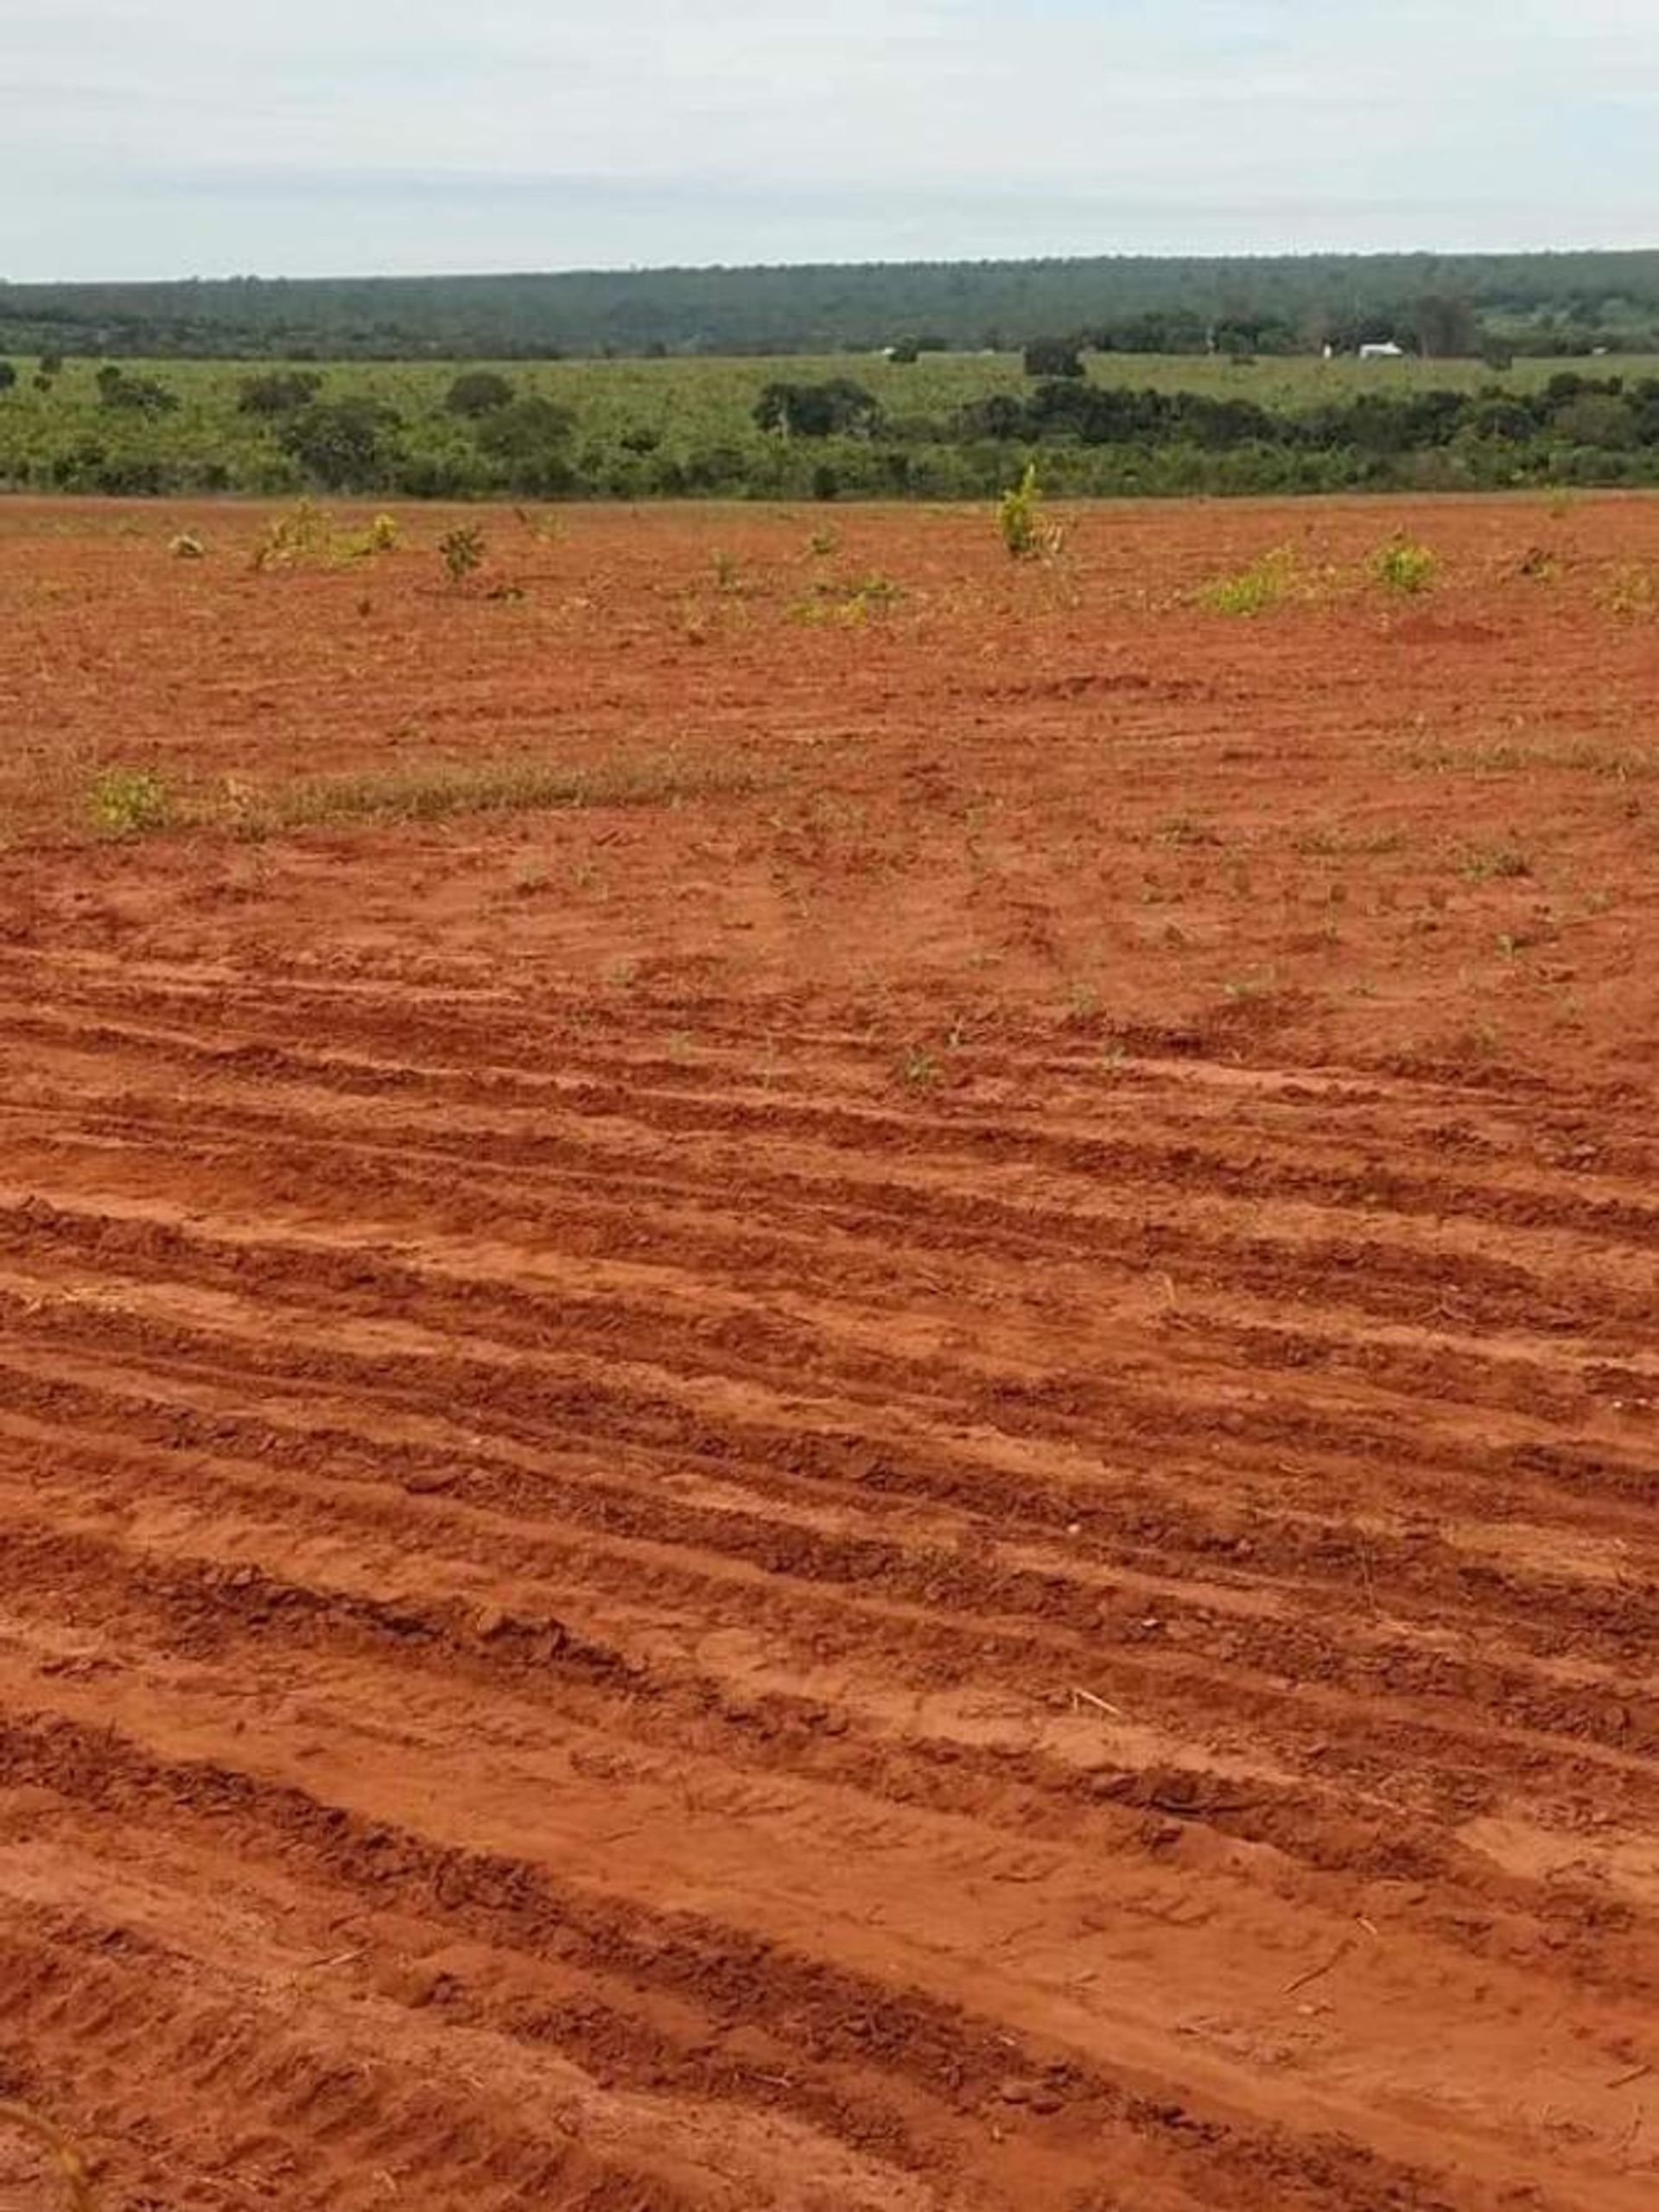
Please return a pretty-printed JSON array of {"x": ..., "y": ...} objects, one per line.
[
  {"x": 129, "y": 803},
  {"x": 847, "y": 603},
  {"x": 1488, "y": 863},
  {"x": 1630, "y": 590},
  {"x": 1264, "y": 585}
]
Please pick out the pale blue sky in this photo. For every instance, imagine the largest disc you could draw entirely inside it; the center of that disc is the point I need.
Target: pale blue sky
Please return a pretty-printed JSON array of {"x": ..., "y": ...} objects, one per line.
[{"x": 176, "y": 138}]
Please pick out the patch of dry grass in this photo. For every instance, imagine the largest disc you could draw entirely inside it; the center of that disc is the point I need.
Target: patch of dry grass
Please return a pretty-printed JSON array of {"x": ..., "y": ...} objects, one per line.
[{"x": 492, "y": 787}]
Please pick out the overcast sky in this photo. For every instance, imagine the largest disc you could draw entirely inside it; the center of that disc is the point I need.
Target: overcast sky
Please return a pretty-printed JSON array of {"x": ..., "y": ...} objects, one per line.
[{"x": 175, "y": 137}]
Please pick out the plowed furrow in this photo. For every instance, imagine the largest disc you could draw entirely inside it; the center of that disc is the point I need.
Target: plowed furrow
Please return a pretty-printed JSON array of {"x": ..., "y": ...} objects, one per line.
[
  {"x": 1077, "y": 1406},
  {"x": 827, "y": 2023},
  {"x": 1126, "y": 1536},
  {"x": 1086, "y": 1788},
  {"x": 377, "y": 2100},
  {"x": 1027, "y": 1633},
  {"x": 925, "y": 1484},
  {"x": 1260, "y": 1165}
]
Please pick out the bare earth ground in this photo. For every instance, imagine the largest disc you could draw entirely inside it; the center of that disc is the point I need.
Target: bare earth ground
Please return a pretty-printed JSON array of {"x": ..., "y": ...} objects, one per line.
[{"x": 913, "y": 1468}]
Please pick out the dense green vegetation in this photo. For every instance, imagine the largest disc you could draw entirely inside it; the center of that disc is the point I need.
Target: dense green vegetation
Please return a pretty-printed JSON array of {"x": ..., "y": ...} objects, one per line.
[
  {"x": 1443, "y": 304},
  {"x": 946, "y": 426}
]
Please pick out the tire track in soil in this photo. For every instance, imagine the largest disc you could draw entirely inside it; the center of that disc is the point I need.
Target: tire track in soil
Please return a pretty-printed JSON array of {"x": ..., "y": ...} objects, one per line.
[{"x": 361, "y": 1565}]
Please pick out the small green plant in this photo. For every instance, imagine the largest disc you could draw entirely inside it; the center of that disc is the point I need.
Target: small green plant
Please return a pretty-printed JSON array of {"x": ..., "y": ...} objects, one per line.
[
  {"x": 129, "y": 803},
  {"x": 1268, "y": 580},
  {"x": 304, "y": 534},
  {"x": 726, "y": 571},
  {"x": 1405, "y": 567},
  {"x": 462, "y": 551},
  {"x": 1026, "y": 532},
  {"x": 382, "y": 535},
  {"x": 822, "y": 544},
  {"x": 921, "y": 1068}
]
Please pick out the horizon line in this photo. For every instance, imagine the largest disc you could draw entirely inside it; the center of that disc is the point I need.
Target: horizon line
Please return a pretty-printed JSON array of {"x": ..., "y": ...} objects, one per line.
[{"x": 800, "y": 268}]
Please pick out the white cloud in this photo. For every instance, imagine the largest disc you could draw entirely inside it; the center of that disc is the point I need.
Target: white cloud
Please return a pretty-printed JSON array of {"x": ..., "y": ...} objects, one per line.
[{"x": 167, "y": 135}]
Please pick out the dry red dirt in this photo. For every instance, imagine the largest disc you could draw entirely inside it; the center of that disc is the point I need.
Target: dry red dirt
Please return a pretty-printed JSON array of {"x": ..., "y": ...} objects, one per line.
[{"x": 918, "y": 1476}]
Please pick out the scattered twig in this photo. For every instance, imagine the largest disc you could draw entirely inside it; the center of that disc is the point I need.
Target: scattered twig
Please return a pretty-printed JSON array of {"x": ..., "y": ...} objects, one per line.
[
  {"x": 1363, "y": 1550},
  {"x": 1088, "y": 1697},
  {"x": 339, "y": 1959},
  {"x": 77, "y": 2181},
  {"x": 1635, "y": 2074},
  {"x": 1317, "y": 1974}
]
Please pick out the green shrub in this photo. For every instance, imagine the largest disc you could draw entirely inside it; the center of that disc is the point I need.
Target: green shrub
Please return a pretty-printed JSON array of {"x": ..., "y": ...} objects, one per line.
[
  {"x": 1052, "y": 357},
  {"x": 134, "y": 395},
  {"x": 478, "y": 391},
  {"x": 280, "y": 391},
  {"x": 461, "y": 550},
  {"x": 1405, "y": 567},
  {"x": 344, "y": 445},
  {"x": 527, "y": 441},
  {"x": 838, "y": 406},
  {"x": 305, "y": 534}
]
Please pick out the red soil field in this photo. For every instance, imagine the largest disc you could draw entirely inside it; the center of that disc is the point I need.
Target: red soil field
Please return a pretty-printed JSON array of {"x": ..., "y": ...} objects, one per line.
[{"x": 910, "y": 1469}]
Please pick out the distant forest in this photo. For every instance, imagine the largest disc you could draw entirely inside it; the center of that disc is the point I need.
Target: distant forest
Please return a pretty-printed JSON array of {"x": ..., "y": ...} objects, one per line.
[{"x": 1443, "y": 306}]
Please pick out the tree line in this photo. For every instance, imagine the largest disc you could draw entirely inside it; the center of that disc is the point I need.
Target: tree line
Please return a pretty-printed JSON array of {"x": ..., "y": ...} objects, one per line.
[
  {"x": 482, "y": 434},
  {"x": 1542, "y": 304}
]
